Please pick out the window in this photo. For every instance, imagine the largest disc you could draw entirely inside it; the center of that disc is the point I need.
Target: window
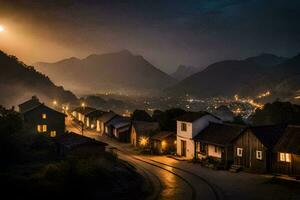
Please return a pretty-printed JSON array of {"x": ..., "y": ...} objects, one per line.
[
  {"x": 239, "y": 152},
  {"x": 259, "y": 155},
  {"x": 44, "y": 128},
  {"x": 39, "y": 128},
  {"x": 285, "y": 157},
  {"x": 202, "y": 148},
  {"x": 216, "y": 149},
  {"x": 183, "y": 126},
  {"x": 53, "y": 134},
  {"x": 44, "y": 116}
]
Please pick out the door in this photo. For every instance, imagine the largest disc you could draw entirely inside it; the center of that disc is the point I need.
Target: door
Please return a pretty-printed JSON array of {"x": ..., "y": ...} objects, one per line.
[{"x": 183, "y": 148}]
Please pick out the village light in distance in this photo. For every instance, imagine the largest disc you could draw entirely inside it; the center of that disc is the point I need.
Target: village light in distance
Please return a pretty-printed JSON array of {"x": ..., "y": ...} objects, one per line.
[
  {"x": 83, "y": 104},
  {"x": 2, "y": 29},
  {"x": 54, "y": 103}
]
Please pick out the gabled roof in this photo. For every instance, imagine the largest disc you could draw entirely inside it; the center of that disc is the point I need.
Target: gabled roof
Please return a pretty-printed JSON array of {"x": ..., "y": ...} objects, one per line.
[
  {"x": 268, "y": 135},
  {"x": 29, "y": 104},
  {"x": 106, "y": 117},
  {"x": 290, "y": 141},
  {"x": 119, "y": 120},
  {"x": 84, "y": 110},
  {"x": 145, "y": 128},
  {"x": 43, "y": 105},
  {"x": 95, "y": 114},
  {"x": 193, "y": 116},
  {"x": 219, "y": 134},
  {"x": 163, "y": 135},
  {"x": 71, "y": 140}
]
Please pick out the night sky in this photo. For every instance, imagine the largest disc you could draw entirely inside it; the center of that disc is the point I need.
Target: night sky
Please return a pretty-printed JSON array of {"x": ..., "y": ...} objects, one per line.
[{"x": 166, "y": 32}]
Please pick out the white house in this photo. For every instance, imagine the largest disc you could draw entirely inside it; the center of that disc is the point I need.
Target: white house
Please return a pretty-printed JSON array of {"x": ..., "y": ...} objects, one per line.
[{"x": 188, "y": 126}]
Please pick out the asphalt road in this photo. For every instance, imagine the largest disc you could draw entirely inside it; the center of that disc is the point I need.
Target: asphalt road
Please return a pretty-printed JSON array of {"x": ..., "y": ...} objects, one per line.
[{"x": 163, "y": 180}]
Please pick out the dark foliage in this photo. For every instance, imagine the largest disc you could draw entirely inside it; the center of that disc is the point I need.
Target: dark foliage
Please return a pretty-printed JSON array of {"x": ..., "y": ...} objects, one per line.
[
  {"x": 141, "y": 115},
  {"x": 167, "y": 119},
  {"x": 277, "y": 113}
]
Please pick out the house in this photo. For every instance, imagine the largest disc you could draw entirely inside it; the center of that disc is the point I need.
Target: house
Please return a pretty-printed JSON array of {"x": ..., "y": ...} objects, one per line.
[
  {"x": 188, "y": 126},
  {"x": 253, "y": 148},
  {"x": 72, "y": 143},
  {"x": 103, "y": 120},
  {"x": 29, "y": 104},
  {"x": 215, "y": 141},
  {"x": 91, "y": 118},
  {"x": 286, "y": 153},
  {"x": 118, "y": 127},
  {"x": 80, "y": 114},
  {"x": 41, "y": 119},
  {"x": 163, "y": 142},
  {"x": 141, "y": 132}
]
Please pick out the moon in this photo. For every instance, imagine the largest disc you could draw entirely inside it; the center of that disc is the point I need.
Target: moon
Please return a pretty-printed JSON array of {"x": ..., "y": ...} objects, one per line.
[{"x": 1, "y": 29}]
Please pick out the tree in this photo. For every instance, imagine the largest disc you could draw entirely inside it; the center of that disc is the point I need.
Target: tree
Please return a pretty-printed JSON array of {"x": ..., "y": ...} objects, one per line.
[
  {"x": 277, "y": 113},
  {"x": 167, "y": 119},
  {"x": 141, "y": 115}
]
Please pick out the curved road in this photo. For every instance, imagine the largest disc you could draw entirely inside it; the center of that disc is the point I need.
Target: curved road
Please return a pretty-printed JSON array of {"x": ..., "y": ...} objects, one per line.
[{"x": 163, "y": 180}]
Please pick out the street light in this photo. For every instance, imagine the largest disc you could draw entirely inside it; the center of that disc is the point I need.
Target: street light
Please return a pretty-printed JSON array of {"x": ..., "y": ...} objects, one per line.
[
  {"x": 54, "y": 103},
  {"x": 83, "y": 104},
  {"x": 143, "y": 141}
]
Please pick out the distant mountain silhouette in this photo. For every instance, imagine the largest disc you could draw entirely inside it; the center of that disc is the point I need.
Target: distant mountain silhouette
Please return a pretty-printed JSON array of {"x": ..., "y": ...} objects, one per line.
[
  {"x": 247, "y": 77},
  {"x": 117, "y": 72},
  {"x": 183, "y": 72},
  {"x": 267, "y": 59},
  {"x": 18, "y": 82}
]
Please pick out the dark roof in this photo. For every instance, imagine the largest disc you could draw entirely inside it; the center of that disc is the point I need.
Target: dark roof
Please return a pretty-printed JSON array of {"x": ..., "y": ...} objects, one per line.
[
  {"x": 29, "y": 104},
  {"x": 119, "y": 119},
  {"x": 43, "y": 105},
  {"x": 193, "y": 116},
  {"x": 219, "y": 134},
  {"x": 71, "y": 140},
  {"x": 106, "y": 117},
  {"x": 145, "y": 128},
  {"x": 268, "y": 135},
  {"x": 163, "y": 135},
  {"x": 95, "y": 114},
  {"x": 84, "y": 110},
  {"x": 290, "y": 141}
]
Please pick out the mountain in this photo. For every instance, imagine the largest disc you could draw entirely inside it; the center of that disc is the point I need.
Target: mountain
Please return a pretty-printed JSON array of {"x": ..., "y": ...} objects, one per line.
[
  {"x": 118, "y": 72},
  {"x": 183, "y": 72},
  {"x": 267, "y": 59},
  {"x": 247, "y": 77},
  {"x": 18, "y": 82},
  {"x": 219, "y": 79}
]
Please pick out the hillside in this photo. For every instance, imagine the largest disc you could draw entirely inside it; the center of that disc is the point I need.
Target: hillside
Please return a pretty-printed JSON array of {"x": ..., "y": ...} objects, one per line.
[
  {"x": 247, "y": 77},
  {"x": 183, "y": 72},
  {"x": 18, "y": 82},
  {"x": 118, "y": 72}
]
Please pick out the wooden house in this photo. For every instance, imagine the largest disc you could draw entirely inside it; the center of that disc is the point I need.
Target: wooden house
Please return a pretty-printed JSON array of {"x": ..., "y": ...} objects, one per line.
[
  {"x": 119, "y": 128},
  {"x": 286, "y": 153},
  {"x": 163, "y": 142},
  {"x": 72, "y": 143},
  {"x": 80, "y": 114},
  {"x": 141, "y": 132},
  {"x": 91, "y": 118},
  {"x": 215, "y": 141},
  {"x": 42, "y": 119},
  {"x": 101, "y": 123},
  {"x": 188, "y": 126},
  {"x": 253, "y": 148}
]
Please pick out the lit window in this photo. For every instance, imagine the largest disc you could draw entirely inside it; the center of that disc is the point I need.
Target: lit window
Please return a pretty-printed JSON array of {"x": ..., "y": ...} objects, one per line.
[
  {"x": 183, "y": 126},
  {"x": 53, "y": 134},
  {"x": 239, "y": 152},
  {"x": 44, "y": 128},
  {"x": 259, "y": 155},
  {"x": 106, "y": 129},
  {"x": 285, "y": 157},
  {"x": 39, "y": 128},
  {"x": 44, "y": 116},
  {"x": 216, "y": 149}
]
